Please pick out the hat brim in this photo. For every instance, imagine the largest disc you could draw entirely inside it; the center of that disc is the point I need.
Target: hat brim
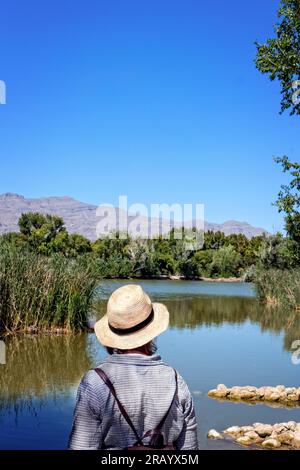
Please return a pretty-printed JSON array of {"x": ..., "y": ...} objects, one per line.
[{"x": 158, "y": 325}]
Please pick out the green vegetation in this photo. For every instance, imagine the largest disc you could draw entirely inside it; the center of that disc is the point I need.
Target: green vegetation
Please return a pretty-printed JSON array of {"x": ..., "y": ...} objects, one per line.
[
  {"x": 279, "y": 57},
  {"x": 277, "y": 275},
  {"x": 221, "y": 256},
  {"x": 42, "y": 293},
  {"x": 279, "y": 287}
]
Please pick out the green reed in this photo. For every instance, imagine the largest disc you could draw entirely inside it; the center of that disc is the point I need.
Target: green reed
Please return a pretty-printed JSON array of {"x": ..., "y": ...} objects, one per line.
[
  {"x": 40, "y": 293},
  {"x": 279, "y": 287}
]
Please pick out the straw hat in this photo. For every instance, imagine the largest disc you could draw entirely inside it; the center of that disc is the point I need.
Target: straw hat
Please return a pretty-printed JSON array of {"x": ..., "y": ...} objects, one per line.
[{"x": 132, "y": 320}]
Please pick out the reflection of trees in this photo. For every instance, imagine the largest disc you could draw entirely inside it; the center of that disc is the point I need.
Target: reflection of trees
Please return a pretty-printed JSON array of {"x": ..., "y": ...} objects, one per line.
[
  {"x": 207, "y": 311},
  {"x": 41, "y": 365}
]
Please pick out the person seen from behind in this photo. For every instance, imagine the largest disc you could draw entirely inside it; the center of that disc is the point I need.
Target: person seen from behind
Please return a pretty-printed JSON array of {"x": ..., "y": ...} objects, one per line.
[{"x": 133, "y": 399}]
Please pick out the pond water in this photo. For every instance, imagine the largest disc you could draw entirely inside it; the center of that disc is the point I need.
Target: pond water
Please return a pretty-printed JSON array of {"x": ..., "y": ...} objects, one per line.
[{"x": 218, "y": 334}]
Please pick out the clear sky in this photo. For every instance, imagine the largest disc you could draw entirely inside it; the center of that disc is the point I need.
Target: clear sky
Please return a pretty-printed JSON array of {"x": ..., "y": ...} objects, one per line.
[{"x": 156, "y": 99}]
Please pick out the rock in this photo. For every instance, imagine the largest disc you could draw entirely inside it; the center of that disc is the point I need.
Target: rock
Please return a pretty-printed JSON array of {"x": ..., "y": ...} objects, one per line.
[
  {"x": 235, "y": 393},
  {"x": 233, "y": 430},
  {"x": 280, "y": 427},
  {"x": 253, "y": 436},
  {"x": 296, "y": 440},
  {"x": 274, "y": 396},
  {"x": 221, "y": 393},
  {"x": 264, "y": 430},
  {"x": 222, "y": 387},
  {"x": 286, "y": 437},
  {"x": 213, "y": 434},
  {"x": 246, "y": 394},
  {"x": 272, "y": 443},
  {"x": 244, "y": 440},
  {"x": 291, "y": 425},
  {"x": 283, "y": 396},
  {"x": 280, "y": 393},
  {"x": 297, "y": 427},
  {"x": 245, "y": 429},
  {"x": 293, "y": 396},
  {"x": 290, "y": 390},
  {"x": 260, "y": 392}
]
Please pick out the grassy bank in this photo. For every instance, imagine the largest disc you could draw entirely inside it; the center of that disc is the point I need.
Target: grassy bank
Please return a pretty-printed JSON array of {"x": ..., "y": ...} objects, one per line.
[
  {"x": 279, "y": 286},
  {"x": 39, "y": 293}
]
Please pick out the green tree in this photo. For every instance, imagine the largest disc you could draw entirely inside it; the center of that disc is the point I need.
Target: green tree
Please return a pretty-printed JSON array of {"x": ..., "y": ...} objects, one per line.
[
  {"x": 47, "y": 234},
  {"x": 276, "y": 252},
  {"x": 289, "y": 198},
  {"x": 203, "y": 259},
  {"x": 214, "y": 240},
  {"x": 226, "y": 262},
  {"x": 279, "y": 57},
  {"x": 288, "y": 202}
]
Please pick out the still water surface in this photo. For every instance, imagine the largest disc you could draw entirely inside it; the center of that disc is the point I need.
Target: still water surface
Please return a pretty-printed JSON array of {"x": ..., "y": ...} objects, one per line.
[{"x": 218, "y": 334}]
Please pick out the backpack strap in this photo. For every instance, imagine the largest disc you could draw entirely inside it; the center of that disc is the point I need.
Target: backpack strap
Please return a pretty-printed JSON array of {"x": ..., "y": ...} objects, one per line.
[
  {"x": 109, "y": 384},
  {"x": 156, "y": 432}
]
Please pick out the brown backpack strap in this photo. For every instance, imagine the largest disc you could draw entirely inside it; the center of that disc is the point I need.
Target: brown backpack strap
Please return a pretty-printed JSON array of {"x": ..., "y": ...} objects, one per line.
[
  {"x": 155, "y": 433},
  {"x": 108, "y": 383}
]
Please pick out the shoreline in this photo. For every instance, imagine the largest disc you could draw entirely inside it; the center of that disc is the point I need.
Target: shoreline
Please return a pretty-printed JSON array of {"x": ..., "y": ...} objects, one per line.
[{"x": 180, "y": 278}]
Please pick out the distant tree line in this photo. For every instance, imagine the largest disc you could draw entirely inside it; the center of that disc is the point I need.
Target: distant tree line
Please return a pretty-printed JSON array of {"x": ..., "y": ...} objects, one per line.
[{"x": 115, "y": 257}]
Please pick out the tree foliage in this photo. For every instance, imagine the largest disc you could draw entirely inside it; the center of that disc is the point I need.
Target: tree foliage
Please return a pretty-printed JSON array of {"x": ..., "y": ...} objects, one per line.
[
  {"x": 47, "y": 234},
  {"x": 288, "y": 202},
  {"x": 279, "y": 57}
]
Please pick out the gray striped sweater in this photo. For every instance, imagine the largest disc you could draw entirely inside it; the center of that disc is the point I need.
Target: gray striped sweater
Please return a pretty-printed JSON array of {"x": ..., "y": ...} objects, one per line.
[{"x": 145, "y": 385}]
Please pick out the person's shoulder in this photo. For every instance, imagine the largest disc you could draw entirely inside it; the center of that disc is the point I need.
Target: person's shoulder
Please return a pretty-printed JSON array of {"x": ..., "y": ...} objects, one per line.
[
  {"x": 180, "y": 380},
  {"x": 91, "y": 380}
]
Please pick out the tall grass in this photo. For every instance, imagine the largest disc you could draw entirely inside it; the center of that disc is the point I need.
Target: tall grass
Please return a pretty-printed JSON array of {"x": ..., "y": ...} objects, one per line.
[
  {"x": 278, "y": 286},
  {"x": 43, "y": 293}
]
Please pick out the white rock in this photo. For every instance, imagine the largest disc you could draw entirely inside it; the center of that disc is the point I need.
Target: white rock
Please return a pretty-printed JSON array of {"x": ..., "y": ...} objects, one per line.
[
  {"x": 271, "y": 442},
  {"x": 213, "y": 434},
  {"x": 264, "y": 430},
  {"x": 245, "y": 429},
  {"x": 244, "y": 440},
  {"x": 280, "y": 427},
  {"x": 296, "y": 440},
  {"x": 221, "y": 387},
  {"x": 252, "y": 435},
  {"x": 218, "y": 393},
  {"x": 290, "y": 390},
  {"x": 291, "y": 425},
  {"x": 234, "y": 430},
  {"x": 297, "y": 427},
  {"x": 286, "y": 437},
  {"x": 293, "y": 396}
]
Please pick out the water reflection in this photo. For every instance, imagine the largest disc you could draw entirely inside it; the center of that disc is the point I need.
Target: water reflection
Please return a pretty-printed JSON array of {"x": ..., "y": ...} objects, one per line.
[{"x": 39, "y": 366}]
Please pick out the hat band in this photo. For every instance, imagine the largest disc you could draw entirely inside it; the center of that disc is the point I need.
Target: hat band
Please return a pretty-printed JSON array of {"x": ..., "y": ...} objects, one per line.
[{"x": 133, "y": 329}]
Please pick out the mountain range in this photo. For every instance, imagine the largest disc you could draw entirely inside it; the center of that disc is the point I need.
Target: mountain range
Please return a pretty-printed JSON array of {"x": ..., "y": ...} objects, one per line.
[{"x": 81, "y": 217}]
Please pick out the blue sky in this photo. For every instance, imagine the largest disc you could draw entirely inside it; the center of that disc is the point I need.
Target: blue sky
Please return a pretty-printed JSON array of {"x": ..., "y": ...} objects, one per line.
[{"x": 157, "y": 99}]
